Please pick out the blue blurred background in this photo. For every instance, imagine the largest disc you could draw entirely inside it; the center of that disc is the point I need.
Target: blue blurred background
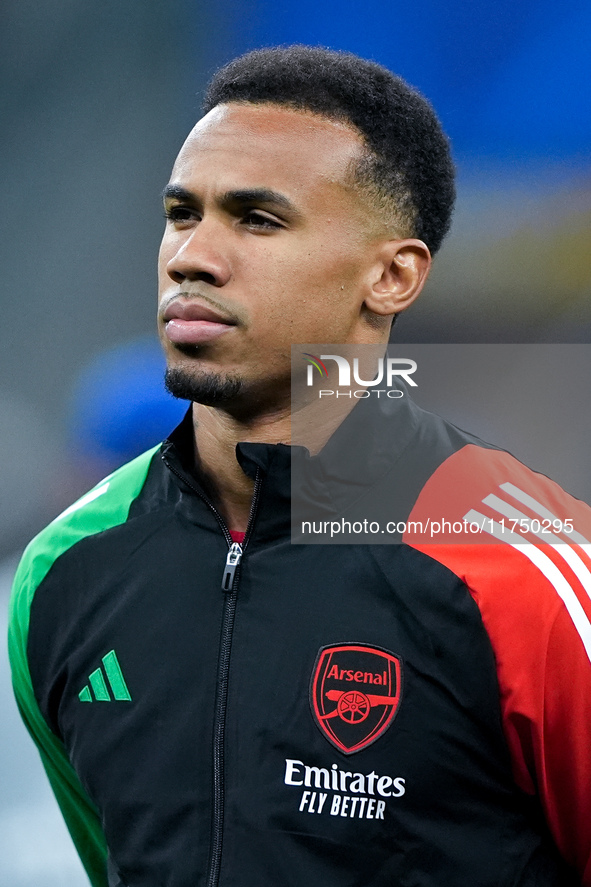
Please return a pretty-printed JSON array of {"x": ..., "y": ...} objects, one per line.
[{"x": 96, "y": 101}]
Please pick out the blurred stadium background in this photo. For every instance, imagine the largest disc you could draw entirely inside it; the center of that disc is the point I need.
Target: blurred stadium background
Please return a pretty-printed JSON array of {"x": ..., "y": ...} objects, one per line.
[{"x": 97, "y": 99}]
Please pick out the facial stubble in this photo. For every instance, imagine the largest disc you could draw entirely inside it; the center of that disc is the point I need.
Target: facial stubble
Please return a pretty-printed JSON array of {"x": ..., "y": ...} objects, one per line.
[{"x": 209, "y": 388}]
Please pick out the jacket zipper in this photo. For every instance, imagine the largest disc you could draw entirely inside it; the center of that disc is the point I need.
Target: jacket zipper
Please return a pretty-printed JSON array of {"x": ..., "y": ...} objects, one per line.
[
  {"x": 230, "y": 587},
  {"x": 232, "y": 563}
]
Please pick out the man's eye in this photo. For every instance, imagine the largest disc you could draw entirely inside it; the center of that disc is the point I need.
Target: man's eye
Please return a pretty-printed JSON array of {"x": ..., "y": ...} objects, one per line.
[
  {"x": 257, "y": 219},
  {"x": 179, "y": 214}
]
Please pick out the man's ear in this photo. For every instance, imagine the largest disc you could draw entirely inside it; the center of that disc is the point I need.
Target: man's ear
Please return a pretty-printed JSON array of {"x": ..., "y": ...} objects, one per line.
[{"x": 401, "y": 270}]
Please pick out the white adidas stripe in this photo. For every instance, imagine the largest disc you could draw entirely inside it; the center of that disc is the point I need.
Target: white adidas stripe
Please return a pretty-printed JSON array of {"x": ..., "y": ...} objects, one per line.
[
  {"x": 564, "y": 549},
  {"x": 540, "y": 509},
  {"x": 547, "y": 567}
]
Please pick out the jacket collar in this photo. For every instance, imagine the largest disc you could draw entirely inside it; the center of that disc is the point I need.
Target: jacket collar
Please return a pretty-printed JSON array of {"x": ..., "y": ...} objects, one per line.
[{"x": 365, "y": 448}]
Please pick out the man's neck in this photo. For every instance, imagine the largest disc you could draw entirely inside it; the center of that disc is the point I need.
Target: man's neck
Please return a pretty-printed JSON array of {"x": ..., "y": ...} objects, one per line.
[{"x": 216, "y": 436}]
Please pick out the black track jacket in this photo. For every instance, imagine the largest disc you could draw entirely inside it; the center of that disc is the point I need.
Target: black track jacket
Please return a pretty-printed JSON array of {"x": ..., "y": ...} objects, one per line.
[{"x": 402, "y": 715}]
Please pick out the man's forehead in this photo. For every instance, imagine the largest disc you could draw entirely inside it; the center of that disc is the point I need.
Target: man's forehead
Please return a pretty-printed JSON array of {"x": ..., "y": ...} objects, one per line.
[
  {"x": 272, "y": 116},
  {"x": 272, "y": 134}
]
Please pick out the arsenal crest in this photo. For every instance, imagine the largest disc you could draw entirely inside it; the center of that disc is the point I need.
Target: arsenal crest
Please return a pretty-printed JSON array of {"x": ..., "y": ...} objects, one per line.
[{"x": 355, "y": 694}]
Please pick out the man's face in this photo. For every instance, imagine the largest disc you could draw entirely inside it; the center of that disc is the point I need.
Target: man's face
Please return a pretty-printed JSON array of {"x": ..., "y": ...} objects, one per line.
[{"x": 267, "y": 244}]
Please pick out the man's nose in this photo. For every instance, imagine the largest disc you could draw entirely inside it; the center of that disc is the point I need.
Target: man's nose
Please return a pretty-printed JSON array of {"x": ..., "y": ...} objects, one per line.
[{"x": 200, "y": 257}]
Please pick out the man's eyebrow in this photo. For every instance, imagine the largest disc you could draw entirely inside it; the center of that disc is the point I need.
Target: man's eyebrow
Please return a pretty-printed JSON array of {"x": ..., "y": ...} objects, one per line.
[
  {"x": 237, "y": 196},
  {"x": 177, "y": 192},
  {"x": 259, "y": 195}
]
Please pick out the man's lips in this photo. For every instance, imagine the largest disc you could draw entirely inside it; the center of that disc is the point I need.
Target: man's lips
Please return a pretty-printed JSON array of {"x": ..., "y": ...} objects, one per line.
[{"x": 192, "y": 323}]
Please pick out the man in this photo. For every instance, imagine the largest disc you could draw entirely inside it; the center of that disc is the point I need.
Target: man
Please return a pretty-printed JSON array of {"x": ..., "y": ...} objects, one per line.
[{"x": 215, "y": 705}]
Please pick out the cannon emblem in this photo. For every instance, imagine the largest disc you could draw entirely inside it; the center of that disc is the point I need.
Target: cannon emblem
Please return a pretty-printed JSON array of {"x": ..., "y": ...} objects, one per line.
[{"x": 355, "y": 694}]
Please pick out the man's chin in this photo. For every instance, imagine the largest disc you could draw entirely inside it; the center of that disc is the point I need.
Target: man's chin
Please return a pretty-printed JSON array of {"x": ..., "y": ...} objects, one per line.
[{"x": 211, "y": 389}]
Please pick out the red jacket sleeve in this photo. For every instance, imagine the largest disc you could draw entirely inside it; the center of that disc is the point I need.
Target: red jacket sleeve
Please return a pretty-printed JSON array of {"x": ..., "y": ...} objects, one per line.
[{"x": 530, "y": 575}]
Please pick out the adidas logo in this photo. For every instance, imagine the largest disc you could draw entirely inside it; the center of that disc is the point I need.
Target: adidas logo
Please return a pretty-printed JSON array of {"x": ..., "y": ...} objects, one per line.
[{"x": 99, "y": 686}]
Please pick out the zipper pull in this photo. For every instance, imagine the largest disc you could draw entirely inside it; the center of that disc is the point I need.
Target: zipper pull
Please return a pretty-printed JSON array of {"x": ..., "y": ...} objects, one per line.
[{"x": 232, "y": 561}]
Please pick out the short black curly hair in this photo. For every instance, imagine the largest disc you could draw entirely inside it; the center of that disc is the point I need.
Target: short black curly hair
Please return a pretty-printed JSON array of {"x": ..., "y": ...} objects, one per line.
[{"x": 408, "y": 167}]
